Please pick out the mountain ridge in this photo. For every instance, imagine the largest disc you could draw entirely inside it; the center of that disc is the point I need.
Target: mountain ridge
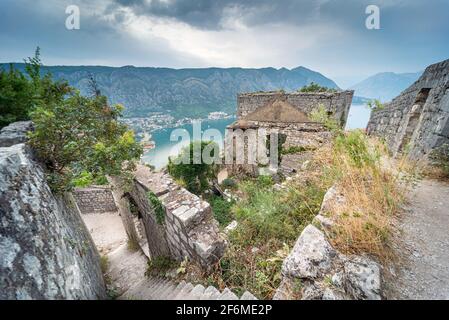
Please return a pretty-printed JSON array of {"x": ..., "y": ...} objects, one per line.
[
  {"x": 186, "y": 92},
  {"x": 385, "y": 85}
]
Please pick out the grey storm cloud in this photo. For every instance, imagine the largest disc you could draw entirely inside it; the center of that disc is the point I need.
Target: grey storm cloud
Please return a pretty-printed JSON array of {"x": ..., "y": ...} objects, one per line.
[
  {"x": 328, "y": 35},
  {"x": 209, "y": 14}
]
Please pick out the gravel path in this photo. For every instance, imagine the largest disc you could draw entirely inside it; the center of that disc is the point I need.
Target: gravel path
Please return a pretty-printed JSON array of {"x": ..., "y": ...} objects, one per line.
[{"x": 423, "y": 248}]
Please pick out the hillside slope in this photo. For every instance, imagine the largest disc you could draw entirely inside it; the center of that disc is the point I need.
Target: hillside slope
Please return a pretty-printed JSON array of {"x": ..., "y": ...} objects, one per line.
[
  {"x": 184, "y": 92},
  {"x": 385, "y": 86}
]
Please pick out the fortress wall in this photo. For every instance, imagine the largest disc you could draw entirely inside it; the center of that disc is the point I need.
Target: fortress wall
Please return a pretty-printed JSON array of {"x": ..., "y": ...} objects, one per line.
[
  {"x": 417, "y": 121},
  {"x": 46, "y": 250},
  {"x": 337, "y": 103},
  {"x": 95, "y": 199}
]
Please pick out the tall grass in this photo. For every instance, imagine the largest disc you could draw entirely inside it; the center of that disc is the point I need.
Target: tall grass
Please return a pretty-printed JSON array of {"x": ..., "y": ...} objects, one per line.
[{"x": 372, "y": 192}]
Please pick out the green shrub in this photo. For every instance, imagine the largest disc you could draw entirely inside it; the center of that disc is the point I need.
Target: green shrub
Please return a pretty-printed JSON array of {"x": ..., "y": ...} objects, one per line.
[
  {"x": 157, "y": 206},
  {"x": 265, "y": 181},
  {"x": 375, "y": 105},
  {"x": 229, "y": 183},
  {"x": 78, "y": 138},
  {"x": 221, "y": 209},
  {"x": 321, "y": 115},
  {"x": 269, "y": 223},
  {"x": 22, "y": 93},
  {"x": 355, "y": 144},
  {"x": 158, "y": 266},
  {"x": 314, "y": 87},
  {"x": 195, "y": 175}
]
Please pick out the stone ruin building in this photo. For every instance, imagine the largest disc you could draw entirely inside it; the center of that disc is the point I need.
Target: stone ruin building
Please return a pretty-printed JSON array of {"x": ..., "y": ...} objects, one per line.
[
  {"x": 417, "y": 121},
  {"x": 266, "y": 116}
]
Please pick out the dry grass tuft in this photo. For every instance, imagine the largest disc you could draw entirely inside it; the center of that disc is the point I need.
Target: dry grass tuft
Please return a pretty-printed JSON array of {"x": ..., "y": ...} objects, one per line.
[{"x": 373, "y": 186}]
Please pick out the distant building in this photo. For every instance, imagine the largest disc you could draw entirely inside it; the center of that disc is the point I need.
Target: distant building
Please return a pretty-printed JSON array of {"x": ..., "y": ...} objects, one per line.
[{"x": 267, "y": 117}]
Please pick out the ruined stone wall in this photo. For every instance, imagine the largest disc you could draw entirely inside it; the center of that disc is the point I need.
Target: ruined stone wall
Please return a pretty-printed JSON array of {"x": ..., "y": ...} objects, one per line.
[
  {"x": 417, "y": 121},
  {"x": 188, "y": 228},
  {"x": 337, "y": 103},
  {"x": 307, "y": 135},
  {"x": 95, "y": 199},
  {"x": 46, "y": 252}
]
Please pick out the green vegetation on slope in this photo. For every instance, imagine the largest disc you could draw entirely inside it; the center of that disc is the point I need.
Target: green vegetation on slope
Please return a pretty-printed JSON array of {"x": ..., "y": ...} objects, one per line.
[
  {"x": 79, "y": 138},
  {"x": 195, "y": 165}
]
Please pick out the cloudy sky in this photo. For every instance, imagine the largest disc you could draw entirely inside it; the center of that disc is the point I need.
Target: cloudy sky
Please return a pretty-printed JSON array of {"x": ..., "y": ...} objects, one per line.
[{"x": 328, "y": 36}]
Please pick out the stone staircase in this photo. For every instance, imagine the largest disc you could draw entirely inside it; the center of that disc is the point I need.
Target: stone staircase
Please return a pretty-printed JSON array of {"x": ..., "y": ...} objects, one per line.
[
  {"x": 126, "y": 272},
  {"x": 164, "y": 289}
]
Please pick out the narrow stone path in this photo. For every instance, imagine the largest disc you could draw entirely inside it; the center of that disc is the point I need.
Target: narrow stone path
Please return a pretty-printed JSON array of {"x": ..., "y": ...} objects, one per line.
[
  {"x": 423, "y": 245},
  {"x": 106, "y": 230},
  {"x": 125, "y": 267},
  {"x": 126, "y": 279}
]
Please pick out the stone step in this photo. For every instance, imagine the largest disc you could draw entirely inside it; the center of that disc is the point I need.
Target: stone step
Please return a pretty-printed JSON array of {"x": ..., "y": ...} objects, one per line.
[
  {"x": 227, "y": 295},
  {"x": 184, "y": 293},
  {"x": 169, "y": 288},
  {"x": 247, "y": 296},
  {"x": 211, "y": 293},
  {"x": 197, "y": 292},
  {"x": 156, "y": 288},
  {"x": 178, "y": 289}
]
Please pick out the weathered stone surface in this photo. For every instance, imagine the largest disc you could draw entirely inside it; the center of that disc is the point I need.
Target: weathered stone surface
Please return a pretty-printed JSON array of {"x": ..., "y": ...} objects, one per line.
[
  {"x": 312, "y": 292},
  {"x": 189, "y": 229},
  {"x": 46, "y": 251},
  {"x": 337, "y": 103},
  {"x": 95, "y": 199},
  {"x": 247, "y": 296},
  {"x": 417, "y": 121},
  {"x": 230, "y": 227},
  {"x": 363, "y": 278},
  {"x": 331, "y": 201},
  {"x": 332, "y": 294},
  {"x": 15, "y": 133},
  {"x": 311, "y": 256}
]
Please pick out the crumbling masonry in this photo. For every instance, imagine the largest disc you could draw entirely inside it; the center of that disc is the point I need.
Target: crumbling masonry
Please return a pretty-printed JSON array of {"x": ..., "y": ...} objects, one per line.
[{"x": 266, "y": 116}]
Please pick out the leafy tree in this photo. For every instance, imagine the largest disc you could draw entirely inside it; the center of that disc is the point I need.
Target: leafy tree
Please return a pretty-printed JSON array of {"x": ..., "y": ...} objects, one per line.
[
  {"x": 16, "y": 96},
  {"x": 22, "y": 93},
  {"x": 314, "y": 87},
  {"x": 195, "y": 176},
  {"x": 81, "y": 140}
]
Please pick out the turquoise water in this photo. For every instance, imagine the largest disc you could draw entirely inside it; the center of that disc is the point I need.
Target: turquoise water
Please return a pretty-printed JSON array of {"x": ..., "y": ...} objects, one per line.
[{"x": 167, "y": 145}]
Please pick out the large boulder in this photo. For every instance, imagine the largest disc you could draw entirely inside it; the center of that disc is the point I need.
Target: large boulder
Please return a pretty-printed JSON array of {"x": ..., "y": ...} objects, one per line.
[
  {"x": 311, "y": 256},
  {"x": 15, "y": 133},
  {"x": 46, "y": 252}
]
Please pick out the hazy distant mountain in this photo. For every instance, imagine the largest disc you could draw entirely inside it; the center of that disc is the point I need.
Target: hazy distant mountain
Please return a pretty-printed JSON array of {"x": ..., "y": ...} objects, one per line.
[
  {"x": 183, "y": 92},
  {"x": 385, "y": 86}
]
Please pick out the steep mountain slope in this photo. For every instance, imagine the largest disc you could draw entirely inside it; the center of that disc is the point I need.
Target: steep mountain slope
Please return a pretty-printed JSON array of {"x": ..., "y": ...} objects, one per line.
[
  {"x": 385, "y": 86},
  {"x": 184, "y": 92}
]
